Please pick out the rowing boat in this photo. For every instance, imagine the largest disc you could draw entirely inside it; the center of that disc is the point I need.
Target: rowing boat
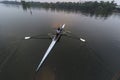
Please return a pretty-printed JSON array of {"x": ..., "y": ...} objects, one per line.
[{"x": 54, "y": 41}]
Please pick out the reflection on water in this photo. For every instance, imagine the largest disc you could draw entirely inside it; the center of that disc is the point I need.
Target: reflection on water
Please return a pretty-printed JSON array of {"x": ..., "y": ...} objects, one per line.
[
  {"x": 28, "y": 7},
  {"x": 46, "y": 73},
  {"x": 70, "y": 59}
]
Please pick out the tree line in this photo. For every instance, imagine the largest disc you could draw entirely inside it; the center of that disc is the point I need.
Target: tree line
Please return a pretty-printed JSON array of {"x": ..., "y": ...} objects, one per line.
[
  {"x": 85, "y": 6},
  {"x": 89, "y": 6}
]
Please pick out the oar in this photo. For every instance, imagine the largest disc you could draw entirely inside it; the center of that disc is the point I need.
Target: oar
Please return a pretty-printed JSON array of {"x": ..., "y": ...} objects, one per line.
[
  {"x": 39, "y": 37},
  {"x": 27, "y": 38},
  {"x": 74, "y": 37}
]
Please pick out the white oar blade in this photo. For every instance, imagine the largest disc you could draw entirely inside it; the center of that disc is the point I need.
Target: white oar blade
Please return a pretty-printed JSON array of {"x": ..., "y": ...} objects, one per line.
[
  {"x": 27, "y": 38},
  {"x": 83, "y": 40}
]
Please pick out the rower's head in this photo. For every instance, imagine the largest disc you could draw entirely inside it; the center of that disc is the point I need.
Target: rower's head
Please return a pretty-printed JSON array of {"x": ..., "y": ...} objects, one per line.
[{"x": 58, "y": 28}]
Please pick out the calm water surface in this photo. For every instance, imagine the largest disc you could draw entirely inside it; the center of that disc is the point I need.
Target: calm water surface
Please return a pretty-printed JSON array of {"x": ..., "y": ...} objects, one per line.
[{"x": 70, "y": 59}]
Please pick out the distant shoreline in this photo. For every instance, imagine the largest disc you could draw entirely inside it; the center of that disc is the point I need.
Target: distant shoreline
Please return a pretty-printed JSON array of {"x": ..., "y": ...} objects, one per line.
[{"x": 89, "y": 6}]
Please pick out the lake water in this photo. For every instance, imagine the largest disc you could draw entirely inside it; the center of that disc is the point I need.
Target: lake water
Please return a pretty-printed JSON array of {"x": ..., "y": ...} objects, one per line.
[{"x": 96, "y": 59}]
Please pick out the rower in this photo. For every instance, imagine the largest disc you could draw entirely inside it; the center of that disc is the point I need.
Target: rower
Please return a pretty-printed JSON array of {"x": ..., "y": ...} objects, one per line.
[{"x": 57, "y": 31}]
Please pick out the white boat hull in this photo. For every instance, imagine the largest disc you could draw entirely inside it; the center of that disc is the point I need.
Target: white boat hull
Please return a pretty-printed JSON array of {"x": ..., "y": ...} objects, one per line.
[{"x": 54, "y": 40}]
